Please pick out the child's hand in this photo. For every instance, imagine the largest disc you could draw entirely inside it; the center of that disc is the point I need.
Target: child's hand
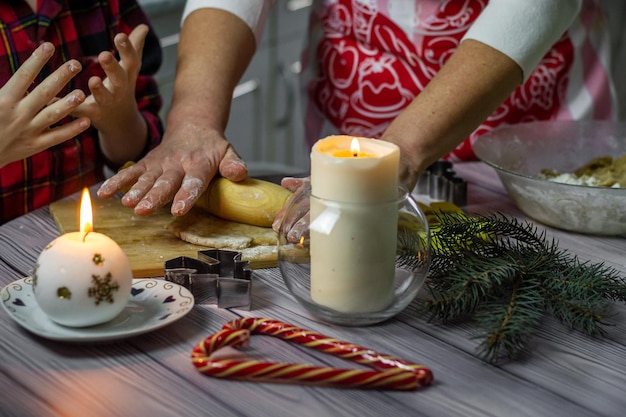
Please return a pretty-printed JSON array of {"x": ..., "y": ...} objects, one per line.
[
  {"x": 112, "y": 106},
  {"x": 26, "y": 117}
]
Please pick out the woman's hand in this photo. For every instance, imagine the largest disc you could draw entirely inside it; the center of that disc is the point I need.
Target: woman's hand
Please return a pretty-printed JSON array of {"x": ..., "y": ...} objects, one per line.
[
  {"x": 298, "y": 221},
  {"x": 27, "y": 118},
  {"x": 179, "y": 169}
]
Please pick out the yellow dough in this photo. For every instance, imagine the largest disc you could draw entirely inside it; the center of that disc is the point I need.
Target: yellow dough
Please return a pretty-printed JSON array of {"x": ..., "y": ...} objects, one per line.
[{"x": 251, "y": 201}]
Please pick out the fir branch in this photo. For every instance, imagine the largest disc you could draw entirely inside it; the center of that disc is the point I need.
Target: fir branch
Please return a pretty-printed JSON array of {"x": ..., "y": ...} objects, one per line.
[
  {"x": 504, "y": 275},
  {"x": 465, "y": 287},
  {"x": 507, "y": 323}
]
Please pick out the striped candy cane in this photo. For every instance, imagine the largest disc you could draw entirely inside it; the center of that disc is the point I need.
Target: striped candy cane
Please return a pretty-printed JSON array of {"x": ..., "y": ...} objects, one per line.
[{"x": 389, "y": 372}]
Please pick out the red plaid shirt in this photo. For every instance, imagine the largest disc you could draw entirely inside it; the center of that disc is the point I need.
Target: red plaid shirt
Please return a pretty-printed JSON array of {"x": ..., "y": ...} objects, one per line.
[{"x": 78, "y": 29}]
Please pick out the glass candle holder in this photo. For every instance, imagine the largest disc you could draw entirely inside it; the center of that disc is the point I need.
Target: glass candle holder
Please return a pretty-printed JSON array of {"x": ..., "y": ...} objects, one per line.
[{"x": 353, "y": 264}]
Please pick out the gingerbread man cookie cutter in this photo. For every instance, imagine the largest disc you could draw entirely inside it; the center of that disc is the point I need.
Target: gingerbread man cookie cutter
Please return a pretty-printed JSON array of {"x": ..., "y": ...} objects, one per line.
[{"x": 217, "y": 276}]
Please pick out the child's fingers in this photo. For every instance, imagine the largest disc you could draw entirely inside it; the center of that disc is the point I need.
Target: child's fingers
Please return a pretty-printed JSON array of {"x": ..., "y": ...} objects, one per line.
[
  {"x": 52, "y": 85},
  {"x": 101, "y": 94},
  {"x": 116, "y": 77},
  {"x": 138, "y": 38},
  {"x": 56, "y": 111},
  {"x": 130, "y": 48},
  {"x": 17, "y": 86},
  {"x": 54, "y": 100},
  {"x": 60, "y": 134}
]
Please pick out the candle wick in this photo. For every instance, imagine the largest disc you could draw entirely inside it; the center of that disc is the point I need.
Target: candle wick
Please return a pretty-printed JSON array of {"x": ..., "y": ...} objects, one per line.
[
  {"x": 85, "y": 235},
  {"x": 356, "y": 154}
]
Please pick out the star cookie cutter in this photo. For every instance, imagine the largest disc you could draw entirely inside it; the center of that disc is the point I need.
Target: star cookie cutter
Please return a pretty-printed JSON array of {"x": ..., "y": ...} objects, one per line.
[
  {"x": 440, "y": 182},
  {"x": 217, "y": 276}
]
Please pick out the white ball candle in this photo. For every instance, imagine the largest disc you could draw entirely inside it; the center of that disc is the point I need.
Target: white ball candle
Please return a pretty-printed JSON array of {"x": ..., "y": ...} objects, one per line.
[
  {"x": 82, "y": 278},
  {"x": 353, "y": 223}
]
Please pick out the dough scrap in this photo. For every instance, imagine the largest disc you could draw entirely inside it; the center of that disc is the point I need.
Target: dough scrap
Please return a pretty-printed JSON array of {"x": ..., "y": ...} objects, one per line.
[{"x": 260, "y": 253}]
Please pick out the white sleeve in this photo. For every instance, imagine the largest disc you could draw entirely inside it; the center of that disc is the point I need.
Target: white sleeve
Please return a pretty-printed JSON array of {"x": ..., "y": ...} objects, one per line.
[
  {"x": 524, "y": 30},
  {"x": 253, "y": 12}
]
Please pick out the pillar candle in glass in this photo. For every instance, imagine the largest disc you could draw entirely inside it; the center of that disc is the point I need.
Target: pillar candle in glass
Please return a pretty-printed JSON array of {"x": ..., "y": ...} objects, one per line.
[
  {"x": 82, "y": 278},
  {"x": 353, "y": 223}
]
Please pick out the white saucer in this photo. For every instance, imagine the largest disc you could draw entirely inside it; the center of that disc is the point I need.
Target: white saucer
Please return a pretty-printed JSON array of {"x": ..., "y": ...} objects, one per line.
[{"x": 153, "y": 303}]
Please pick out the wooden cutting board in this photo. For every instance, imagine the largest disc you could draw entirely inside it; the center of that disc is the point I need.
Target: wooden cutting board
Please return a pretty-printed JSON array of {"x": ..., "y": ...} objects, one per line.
[{"x": 146, "y": 240}]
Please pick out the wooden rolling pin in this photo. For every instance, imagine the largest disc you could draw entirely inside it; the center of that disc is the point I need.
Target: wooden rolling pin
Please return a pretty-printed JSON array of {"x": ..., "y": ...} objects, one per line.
[{"x": 251, "y": 201}]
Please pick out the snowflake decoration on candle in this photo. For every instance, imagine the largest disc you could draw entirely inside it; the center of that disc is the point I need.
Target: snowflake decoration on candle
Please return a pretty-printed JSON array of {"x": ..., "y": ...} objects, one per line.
[
  {"x": 102, "y": 289},
  {"x": 64, "y": 293},
  {"x": 98, "y": 259}
]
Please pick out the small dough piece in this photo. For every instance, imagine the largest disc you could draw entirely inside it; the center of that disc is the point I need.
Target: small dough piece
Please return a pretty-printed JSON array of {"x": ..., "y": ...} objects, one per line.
[
  {"x": 261, "y": 254},
  {"x": 218, "y": 242}
]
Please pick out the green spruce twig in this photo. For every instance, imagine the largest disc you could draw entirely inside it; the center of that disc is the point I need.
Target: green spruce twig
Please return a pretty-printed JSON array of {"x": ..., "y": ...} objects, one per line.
[{"x": 504, "y": 275}]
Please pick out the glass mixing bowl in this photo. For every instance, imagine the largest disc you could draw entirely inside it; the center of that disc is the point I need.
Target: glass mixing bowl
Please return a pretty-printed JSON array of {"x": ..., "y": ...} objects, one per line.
[{"x": 518, "y": 153}]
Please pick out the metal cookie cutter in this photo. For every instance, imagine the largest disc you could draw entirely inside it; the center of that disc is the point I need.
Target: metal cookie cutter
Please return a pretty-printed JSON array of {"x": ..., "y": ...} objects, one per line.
[
  {"x": 218, "y": 276},
  {"x": 440, "y": 182}
]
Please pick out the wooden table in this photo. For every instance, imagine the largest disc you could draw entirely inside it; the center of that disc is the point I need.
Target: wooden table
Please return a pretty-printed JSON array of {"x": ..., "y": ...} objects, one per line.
[{"x": 564, "y": 374}]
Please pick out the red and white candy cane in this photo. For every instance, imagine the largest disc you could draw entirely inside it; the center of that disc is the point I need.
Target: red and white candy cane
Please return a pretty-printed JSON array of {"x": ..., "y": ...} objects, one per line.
[{"x": 389, "y": 372}]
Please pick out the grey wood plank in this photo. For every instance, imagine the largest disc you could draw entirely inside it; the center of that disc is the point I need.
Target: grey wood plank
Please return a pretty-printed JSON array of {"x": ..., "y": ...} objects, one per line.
[{"x": 22, "y": 241}]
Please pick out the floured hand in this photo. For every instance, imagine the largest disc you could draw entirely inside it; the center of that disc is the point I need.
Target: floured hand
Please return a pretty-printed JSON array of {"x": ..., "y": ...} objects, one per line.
[
  {"x": 297, "y": 221},
  {"x": 178, "y": 170}
]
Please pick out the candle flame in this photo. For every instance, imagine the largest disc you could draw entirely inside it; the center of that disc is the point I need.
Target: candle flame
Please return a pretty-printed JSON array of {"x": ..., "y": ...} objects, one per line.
[
  {"x": 355, "y": 147},
  {"x": 86, "y": 213}
]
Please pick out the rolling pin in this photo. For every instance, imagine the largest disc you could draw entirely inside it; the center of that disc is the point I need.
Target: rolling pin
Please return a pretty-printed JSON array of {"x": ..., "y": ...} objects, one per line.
[{"x": 251, "y": 201}]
